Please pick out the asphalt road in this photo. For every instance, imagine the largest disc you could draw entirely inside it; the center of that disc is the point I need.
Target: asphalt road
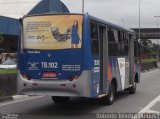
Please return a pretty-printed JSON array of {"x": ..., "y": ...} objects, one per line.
[{"x": 43, "y": 107}]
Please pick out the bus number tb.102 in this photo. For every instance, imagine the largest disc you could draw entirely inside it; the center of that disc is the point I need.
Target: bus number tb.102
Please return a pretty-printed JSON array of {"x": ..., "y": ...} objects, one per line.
[{"x": 49, "y": 64}]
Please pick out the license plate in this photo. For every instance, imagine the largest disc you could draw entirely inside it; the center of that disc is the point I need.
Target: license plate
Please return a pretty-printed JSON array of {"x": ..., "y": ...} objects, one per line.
[{"x": 49, "y": 74}]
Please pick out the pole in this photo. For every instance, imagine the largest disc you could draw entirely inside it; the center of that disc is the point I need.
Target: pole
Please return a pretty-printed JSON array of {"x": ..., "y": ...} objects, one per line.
[
  {"x": 139, "y": 19},
  {"x": 82, "y": 6},
  {"x": 157, "y": 29},
  {"x": 157, "y": 22},
  {"x": 157, "y": 25}
]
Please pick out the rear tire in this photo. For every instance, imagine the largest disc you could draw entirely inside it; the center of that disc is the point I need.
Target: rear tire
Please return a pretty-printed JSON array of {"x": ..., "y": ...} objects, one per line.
[
  {"x": 60, "y": 100},
  {"x": 109, "y": 99},
  {"x": 132, "y": 89}
]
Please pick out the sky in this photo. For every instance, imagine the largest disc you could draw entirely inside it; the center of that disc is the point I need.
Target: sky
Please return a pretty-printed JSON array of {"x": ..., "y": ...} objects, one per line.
[
  {"x": 16, "y": 8},
  {"x": 117, "y": 11},
  {"x": 114, "y": 11}
]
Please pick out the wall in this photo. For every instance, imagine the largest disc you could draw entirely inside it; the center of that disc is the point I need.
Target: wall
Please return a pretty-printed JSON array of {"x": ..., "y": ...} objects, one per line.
[{"x": 9, "y": 26}]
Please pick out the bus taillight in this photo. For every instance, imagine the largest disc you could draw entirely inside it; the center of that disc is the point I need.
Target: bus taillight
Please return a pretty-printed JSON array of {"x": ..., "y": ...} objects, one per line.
[
  {"x": 26, "y": 77},
  {"x": 76, "y": 77},
  {"x": 71, "y": 78}
]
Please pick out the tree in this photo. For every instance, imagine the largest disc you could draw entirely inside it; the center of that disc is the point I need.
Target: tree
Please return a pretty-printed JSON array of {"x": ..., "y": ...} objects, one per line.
[
  {"x": 156, "y": 49},
  {"x": 150, "y": 49},
  {"x": 146, "y": 45}
]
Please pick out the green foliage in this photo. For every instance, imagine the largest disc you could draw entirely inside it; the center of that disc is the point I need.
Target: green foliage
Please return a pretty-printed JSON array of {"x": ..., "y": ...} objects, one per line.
[
  {"x": 150, "y": 48},
  {"x": 8, "y": 71},
  {"x": 149, "y": 60},
  {"x": 146, "y": 44}
]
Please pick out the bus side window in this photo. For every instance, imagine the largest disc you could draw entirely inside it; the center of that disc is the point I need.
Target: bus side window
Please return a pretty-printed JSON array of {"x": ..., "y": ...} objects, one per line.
[
  {"x": 111, "y": 36},
  {"x": 113, "y": 42},
  {"x": 94, "y": 39},
  {"x": 120, "y": 36},
  {"x": 124, "y": 44}
]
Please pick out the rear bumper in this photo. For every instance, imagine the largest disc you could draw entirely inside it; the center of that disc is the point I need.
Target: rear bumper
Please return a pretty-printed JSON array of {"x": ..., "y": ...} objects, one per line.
[{"x": 75, "y": 88}]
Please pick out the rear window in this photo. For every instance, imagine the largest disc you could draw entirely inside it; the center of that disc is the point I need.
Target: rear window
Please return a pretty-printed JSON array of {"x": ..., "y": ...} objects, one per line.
[{"x": 52, "y": 32}]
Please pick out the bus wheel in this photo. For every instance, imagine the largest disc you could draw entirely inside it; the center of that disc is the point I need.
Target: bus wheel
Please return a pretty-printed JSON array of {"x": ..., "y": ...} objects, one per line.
[
  {"x": 108, "y": 100},
  {"x": 132, "y": 89},
  {"x": 63, "y": 100}
]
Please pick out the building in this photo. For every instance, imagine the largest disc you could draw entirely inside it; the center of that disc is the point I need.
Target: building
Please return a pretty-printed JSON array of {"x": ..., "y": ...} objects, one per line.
[{"x": 9, "y": 29}]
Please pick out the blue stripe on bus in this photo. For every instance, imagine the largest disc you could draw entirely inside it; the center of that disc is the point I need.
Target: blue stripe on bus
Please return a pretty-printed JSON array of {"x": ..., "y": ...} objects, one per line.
[{"x": 87, "y": 54}]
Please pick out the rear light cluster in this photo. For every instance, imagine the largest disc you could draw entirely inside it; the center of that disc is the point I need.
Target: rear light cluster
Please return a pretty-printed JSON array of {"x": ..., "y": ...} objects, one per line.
[
  {"x": 71, "y": 78},
  {"x": 26, "y": 77}
]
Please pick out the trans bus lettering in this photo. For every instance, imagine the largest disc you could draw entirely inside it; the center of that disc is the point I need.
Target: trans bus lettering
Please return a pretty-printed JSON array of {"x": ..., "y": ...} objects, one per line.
[
  {"x": 49, "y": 64},
  {"x": 76, "y": 55}
]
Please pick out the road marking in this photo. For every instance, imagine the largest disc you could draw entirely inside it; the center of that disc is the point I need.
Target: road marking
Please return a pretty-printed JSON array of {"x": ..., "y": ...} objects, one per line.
[
  {"x": 13, "y": 102},
  {"x": 147, "y": 107}
]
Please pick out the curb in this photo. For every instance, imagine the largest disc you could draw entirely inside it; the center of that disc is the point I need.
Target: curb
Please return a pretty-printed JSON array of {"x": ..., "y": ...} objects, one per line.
[
  {"x": 145, "y": 71},
  {"x": 6, "y": 98},
  {"x": 19, "y": 97},
  {"x": 14, "y": 97}
]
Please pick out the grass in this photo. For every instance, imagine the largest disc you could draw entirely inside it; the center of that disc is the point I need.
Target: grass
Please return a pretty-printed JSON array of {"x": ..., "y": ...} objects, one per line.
[
  {"x": 149, "y": 60},
  {"x": 8, "y": 71}
]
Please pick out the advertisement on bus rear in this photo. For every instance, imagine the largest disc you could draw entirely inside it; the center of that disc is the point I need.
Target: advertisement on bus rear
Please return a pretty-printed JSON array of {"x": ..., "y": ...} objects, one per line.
[{"x": 52, "y": 32}]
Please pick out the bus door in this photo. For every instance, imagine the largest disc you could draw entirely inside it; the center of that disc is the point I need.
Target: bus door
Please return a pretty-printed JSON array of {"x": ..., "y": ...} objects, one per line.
[
  {"x": 99, "y": 52},
  {"x": 129, "y": 54},
  {"x": 103, "y": 59},
  {"x": 131, "y": 59},
  {"x": 137, "y": 59},
  {"x": 124, "y": 61}
]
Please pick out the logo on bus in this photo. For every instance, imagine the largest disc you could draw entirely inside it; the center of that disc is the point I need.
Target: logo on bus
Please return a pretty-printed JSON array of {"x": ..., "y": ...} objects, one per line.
[
  {"x": 33, "y": 66},
  {"x": 49, "y": 65}
]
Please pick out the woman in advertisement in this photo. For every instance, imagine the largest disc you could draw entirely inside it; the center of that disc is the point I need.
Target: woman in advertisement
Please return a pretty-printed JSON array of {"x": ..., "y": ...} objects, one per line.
[{"x": 74, "y": 35}]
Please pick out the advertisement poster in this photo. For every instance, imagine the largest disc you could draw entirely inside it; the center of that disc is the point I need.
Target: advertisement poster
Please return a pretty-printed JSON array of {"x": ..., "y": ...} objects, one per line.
[
  {"x": 121, "y": 63},
  {"x": 52, "y": 32}
]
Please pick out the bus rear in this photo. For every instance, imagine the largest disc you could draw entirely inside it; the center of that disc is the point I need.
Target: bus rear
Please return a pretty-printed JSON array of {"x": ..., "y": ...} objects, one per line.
[{"x": 51, "y": 57}]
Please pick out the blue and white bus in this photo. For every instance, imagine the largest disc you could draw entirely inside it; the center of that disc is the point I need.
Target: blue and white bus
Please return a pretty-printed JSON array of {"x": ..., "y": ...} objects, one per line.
[{"x": 76, "y": 55}]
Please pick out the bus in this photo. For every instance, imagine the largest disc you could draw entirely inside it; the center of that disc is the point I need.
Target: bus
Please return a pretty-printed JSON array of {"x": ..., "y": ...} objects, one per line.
[{"x": 76, "y": 55}]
